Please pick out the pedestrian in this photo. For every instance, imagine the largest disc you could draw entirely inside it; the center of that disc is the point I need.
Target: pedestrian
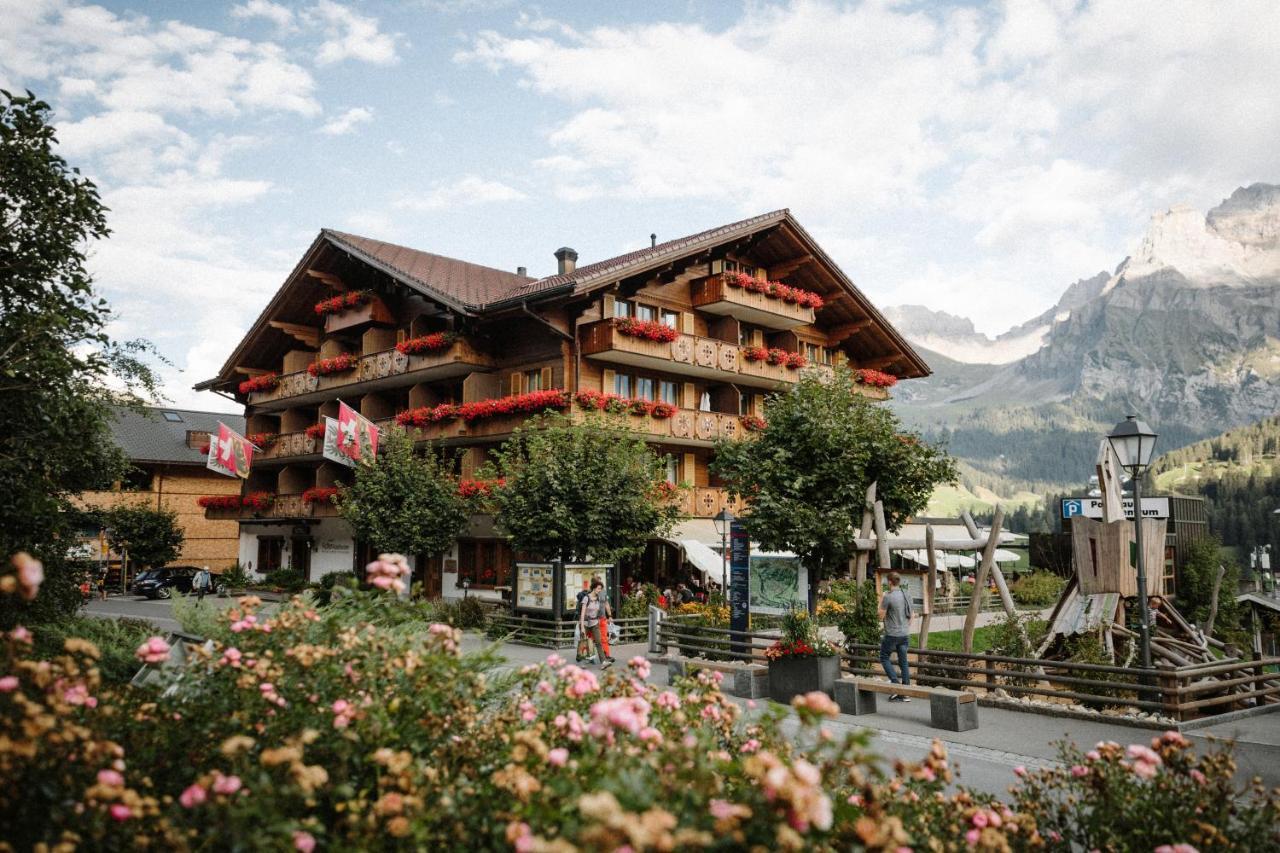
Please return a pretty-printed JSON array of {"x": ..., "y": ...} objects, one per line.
[
  {"x": 589, "y": 620},
  {"x": 895, "y": 612},
  {"x": 580, "y": 639},
  {"x": 201, "y": 583},
  {"x": 102, "y": 585},
  {"x": 606, "y": 613},
  {"x": 683, "y": 594}
]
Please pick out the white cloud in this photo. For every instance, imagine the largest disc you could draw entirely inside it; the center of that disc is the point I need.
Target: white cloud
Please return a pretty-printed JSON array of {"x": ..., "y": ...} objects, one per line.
[
  {"x": 347, "y": 122},
  {"x": 349, "y": 35},
  {"x": 470, "y": 190},
  {"x": 281, "y": 16}
]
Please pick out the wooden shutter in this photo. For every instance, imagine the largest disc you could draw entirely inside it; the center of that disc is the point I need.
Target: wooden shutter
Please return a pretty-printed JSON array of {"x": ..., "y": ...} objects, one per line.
[
  {"x": 689, "y": 469},
  {"x": 608, "y": 306},
  {"x": 689, "y": 396},
  {"x": 517, "y": 383},
  {"x": 757, "y": 337},
  {"x": 686, "y": 323},
  {"x": 607, "y": 378},
  {"x": 545, "y": 378}
]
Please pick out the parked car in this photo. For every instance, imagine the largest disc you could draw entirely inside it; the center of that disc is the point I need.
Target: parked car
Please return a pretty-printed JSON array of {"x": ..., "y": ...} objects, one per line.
[{"x": 160, "y": 583}]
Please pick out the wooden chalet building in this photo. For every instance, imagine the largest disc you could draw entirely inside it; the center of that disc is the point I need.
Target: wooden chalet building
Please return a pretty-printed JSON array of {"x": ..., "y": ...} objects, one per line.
[{"x": 692, "y": 323}]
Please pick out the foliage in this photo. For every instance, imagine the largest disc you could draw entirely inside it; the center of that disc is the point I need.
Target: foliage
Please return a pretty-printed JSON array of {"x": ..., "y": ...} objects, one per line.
[
  {"x": 151, "y": 536},
  {"x": 799, "y": 639},
  {"x": 1015, "y": 637},
  {"x": 404, "y": 501},
  {"x": 637, "y": 604},
  {"x": 860, "y": 622},
  {"x": 116, "y": 639},
  {"x": 60, "y": 371},
  {"x": 235, "y": 577},
  {"x": 194, "y": 617},
  {"x": 1090, "y": 648},
  {"x": 283, "y": 579},
  {"x": 805, "y": 475},
  {"x": 1041, "y": 589},
  {"x": 1201, "y": 561},
  {"x": 580, "y": 491}
]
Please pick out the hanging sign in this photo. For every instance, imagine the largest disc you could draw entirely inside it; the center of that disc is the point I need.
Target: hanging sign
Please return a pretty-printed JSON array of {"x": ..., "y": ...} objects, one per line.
[
  {"x": 357, "y": 435},
  {"x": 230, "y": 453},
  {"x": 739, "y": 583}
]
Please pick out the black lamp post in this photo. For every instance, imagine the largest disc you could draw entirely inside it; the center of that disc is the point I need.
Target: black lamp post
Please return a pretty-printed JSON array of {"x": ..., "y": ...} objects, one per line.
[
  {"x": 1133, "y": 441},
  {"x": 724, "y": 520}
]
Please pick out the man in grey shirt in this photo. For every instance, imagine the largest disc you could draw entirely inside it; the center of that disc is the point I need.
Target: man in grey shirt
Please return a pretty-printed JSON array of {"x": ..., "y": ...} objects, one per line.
[{"x": 895, "y": 612}]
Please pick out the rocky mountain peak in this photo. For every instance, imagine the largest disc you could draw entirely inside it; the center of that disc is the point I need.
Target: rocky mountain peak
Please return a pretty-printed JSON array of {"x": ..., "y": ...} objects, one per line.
[{"x": 1250, "y": 216}]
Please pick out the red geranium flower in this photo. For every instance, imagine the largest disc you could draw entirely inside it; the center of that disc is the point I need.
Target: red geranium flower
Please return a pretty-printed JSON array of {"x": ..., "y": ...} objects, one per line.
[
  {"x": 319, "y": 494},
  {"x": 345, "y": 302},
  {"x": 435, "y": 342},
  {"x": 265, "y": 382},
  {"x": 337, "y": 364},
  {"x": 650, "y": 330}
]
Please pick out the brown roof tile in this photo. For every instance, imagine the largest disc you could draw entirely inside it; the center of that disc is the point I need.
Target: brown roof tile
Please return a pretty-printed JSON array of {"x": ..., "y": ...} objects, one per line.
[{"x": 461, "y": 282}]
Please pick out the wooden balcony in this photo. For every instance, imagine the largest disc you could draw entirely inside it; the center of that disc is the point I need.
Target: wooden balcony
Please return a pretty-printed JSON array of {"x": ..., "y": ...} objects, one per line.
[
  {"x": 687, "y": 355},
  {"x": 374, "y": 372},
  {"x": 291, "y": 446},
  {"x": 284, "y": 507},
  {"x": 713, "y": 296},
  {"x": 705, "y": 502}
]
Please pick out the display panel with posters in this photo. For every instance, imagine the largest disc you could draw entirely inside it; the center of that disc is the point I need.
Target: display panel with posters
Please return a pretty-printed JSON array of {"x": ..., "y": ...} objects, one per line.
[
  {"x": 578, "y": 578},
  {"x": 779, "y": 584},
  {"x": 535, "y": 586}
]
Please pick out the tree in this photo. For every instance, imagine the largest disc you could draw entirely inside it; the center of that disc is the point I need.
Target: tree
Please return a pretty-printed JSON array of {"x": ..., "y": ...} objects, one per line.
[
  {"x": 405, "y": 502},
  {"x": 59, "y": 370},
  {"x": 152, "y": 537},
  {"x": 580, "y": 491},
  {"x": 805, "y": 475}
]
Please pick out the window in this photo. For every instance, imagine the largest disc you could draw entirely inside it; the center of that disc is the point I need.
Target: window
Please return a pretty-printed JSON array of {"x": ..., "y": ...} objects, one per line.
[
  {"x": 644, "y": 388},
  {"x": 533, "y": 380},
  {"x": 622, "y": 308},
  {"x": 671, "y": 318},
  {"x": 172, "y": 417},
  {"x": 484, "y": 562},
  {"x": 646, "y": 312},
  {"x": 669, "y": 392},
  {"x": 744, "y": 404},
  {"x": 704, "y": 402},
  {"x": 673, "y": 470},
  {"x": 622, "y": 385},
  {"x": 813, "y": 352}
]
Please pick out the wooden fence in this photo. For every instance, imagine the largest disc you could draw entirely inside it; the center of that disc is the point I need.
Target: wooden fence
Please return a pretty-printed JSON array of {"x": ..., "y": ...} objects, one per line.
[{"x": 556, "y": 633}]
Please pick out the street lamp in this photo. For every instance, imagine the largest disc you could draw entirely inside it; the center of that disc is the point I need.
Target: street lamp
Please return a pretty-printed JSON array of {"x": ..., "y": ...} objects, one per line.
[
  {"x": 724, "y": 521},
  {"x": 1133, "y": 441}
]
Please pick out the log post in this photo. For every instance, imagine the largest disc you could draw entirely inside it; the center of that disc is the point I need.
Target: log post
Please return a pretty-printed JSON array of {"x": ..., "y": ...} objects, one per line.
[
  {"x": 1005, "y": 598},
  {"x": 882, "y": 536},
  {"x": 931, "y": 581},
  {"x": 860, "y": 561},
  {"x": 1213, "y": 600},
  {"x": 980, "y": 581}
]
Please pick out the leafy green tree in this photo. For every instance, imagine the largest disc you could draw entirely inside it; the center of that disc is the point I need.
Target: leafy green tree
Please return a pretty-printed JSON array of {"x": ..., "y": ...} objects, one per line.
[
  {"x": 805, "y": 476},
  {"x": 580, "y": 491},
  {"x": 152, "y": 536},
  {"x": 405, "y": 502},
  {"x": 1200, "y": 563},
  {"x": 59, "y": 370}
]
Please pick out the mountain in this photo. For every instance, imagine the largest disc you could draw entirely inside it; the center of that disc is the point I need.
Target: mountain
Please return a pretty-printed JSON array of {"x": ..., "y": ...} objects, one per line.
[{"x": 1185, "y": 332}]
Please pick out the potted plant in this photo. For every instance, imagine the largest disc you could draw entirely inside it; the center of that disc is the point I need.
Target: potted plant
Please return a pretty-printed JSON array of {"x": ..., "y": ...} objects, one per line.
[{"x": 800, "y": 661}]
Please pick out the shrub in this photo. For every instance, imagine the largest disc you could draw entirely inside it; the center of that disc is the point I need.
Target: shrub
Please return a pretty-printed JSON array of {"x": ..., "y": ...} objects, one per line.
[
  {"x": 861, "y": 620},
  {"x": 1038, "y": 589},
  {"x": 200, "y": 620},
  {"x": 636, "y": 605},
  {"x": 235, "y": 577},
  {"x": 470, "y": 613},
  {"x": 284, "y": 579},
  {"x": 116, "y": 640}
]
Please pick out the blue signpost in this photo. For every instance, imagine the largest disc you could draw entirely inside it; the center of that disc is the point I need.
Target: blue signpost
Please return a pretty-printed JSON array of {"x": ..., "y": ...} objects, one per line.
[{"x": 739, "y": 585}]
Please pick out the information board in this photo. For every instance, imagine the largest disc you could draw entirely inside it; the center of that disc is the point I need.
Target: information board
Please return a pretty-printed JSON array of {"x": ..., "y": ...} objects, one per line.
[
  {"x": 778, "y": 585},
  {"x": 578, "y": 578},
  {"x": 1092, "y": 507},
  {"x": 739, "y": 583},
  {"x": 535, "y": 586}
]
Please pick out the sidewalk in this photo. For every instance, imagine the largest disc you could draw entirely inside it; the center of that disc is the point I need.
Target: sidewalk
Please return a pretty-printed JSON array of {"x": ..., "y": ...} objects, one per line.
[{"x": 1005, "y": 739}]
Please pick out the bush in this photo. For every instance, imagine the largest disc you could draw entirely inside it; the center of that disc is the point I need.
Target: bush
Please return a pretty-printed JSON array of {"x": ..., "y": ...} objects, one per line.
[
  {"x": 287, "y": 580},
  {"x": 470, "y": 613},
  {"x": 116, "y": 640},
  {"x": 235, "y": 577},
  {"x": 201, "y": 620},
  {"x": 861, "y": 620},
  {"x": 637, "y": 604},
  {"x": 1038, "y": 589}
]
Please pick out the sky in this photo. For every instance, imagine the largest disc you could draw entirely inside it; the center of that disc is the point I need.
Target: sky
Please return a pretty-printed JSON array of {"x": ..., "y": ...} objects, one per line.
[{"x": 975, "y": 158}]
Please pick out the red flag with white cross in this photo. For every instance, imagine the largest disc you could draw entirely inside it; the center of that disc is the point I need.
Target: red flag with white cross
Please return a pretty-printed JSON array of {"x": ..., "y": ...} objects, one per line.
[
  {"x": 230, "y": 453},
  {"x": 357, "y": 435}
]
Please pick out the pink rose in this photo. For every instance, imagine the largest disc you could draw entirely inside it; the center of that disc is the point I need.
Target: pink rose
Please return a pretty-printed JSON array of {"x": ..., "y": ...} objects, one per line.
[
  {"x": 1199, "y": 777},
  {"x": 558, "y": 757},
  {"x": 154, "y": 650},
  {"x": 1093, "y": 755},
  {"x": 30, "y": 574},
  {"x": 227, "y": 785},
  {"x": 341, "y": 706},
  {"x": 1019, "y": 771},
  {"x": 120, "y": 812},
  {"x": 641, "y": 665},
  {"x": 979, "y": 819},
  {"x": 1078, "y": 771},
  {"x": 303, "y": 841},
  {"x": 972, "y": 836},
  {"x": 193, "y": 796},
  {"x": 20, "y": 635},
  {"x": 111, "y": 778},
  {"x": 8, "y": 684}
]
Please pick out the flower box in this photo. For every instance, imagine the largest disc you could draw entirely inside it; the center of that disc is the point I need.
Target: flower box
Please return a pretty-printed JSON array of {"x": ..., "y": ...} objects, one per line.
[
  {"x": 792, "y": 676},
  {"x": 649, "y": 330},
  {"x": 265, "y": 382},
  {"x": 337, "y": 364},
  {"x": 434, "y": 342}
]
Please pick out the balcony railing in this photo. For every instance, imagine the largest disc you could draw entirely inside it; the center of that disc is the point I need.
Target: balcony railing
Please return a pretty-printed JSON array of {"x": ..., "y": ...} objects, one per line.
[
  {"x": 706, "y": 502},
  {"x": 386, "y": 369},
  {"x": 714, "y": 296},
  {"x": 282, "y": 507},
  {"x": 687, "y": 355}
]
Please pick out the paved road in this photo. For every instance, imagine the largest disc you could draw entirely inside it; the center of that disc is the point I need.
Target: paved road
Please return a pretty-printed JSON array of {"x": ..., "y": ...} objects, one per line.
[{"x": 159, "y": 613}]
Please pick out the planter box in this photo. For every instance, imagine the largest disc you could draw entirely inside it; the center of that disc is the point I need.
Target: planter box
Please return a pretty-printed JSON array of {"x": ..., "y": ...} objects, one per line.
[{"x": 789, "y": 677}]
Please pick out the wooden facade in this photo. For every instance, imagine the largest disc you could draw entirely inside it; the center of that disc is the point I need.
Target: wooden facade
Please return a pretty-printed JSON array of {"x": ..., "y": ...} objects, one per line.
[{"x": 508, "y": 334}]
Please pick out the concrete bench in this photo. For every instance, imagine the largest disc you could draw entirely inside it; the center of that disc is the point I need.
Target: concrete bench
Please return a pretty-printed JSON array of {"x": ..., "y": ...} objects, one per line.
[
  {"x": 952, "y": 710},
  {"x": 747, "y": 680}
]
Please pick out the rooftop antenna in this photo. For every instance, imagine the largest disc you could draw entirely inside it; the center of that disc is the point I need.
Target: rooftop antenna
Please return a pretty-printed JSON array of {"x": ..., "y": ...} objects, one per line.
[{"x": 653, "y": 240}]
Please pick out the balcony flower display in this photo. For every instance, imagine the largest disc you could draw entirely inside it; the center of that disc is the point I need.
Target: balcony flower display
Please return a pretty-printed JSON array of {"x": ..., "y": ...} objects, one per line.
[
  {"x": 337, "y": 364},
  {"x": 649, "y": 330},
  {"x": 265, "y": 382},
  {"x": 796, "y": 360},
  {"x": 427, "y": 415},
  {"x": 753, "y": 423},
  {"x": 595, "y": 400},
  {"x": 258, "y": 501},
  {"x": 875, "y": 378},
  {"x": 320, "y": 494},
  {"x": 662, "y": 410},
  {"x": 218, "y": 501},
  {"x": 800, "y": 661},
  {"x": 533, "y": 402},
  {"x": 755, "y": 353},
  {"x": 434, "y": 342},
  {"x": 775, "y": 290},
  {"x": 345, "y": 302},
  {"x": 315, "y": 431},
  {"x": 479, "y": 488},
  {"x": 777, "y": 356},
  {"x": 262, "y": 440}
]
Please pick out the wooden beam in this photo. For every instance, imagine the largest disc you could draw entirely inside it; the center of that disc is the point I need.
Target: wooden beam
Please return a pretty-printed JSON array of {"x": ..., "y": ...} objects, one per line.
[
  {"x": 328, "y": 278},
  {"x": 250, "y": 371},
  {"x": 787, "y": 267},
  {"x": 845, "y": 330},
  {"x": 308, "y": 335},
  {"x": 881, "y": 361}
]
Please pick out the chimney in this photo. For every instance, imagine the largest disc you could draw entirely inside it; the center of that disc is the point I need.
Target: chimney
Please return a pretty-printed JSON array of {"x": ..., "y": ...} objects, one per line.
[
  {"x": 522, "y": 271},
  {"x": 566, "y": 260},
  {"x": 653, "y": 240}
]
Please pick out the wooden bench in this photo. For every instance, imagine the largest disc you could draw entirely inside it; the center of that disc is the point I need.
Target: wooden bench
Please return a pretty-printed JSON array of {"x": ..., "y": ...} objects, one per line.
[
  {"x": 747, "y": 680},
  {"x": 952, "y": 710}
]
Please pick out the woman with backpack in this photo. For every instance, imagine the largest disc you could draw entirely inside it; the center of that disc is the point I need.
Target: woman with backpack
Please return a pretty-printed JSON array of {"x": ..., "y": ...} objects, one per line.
[{"x": 589, "y": 615}]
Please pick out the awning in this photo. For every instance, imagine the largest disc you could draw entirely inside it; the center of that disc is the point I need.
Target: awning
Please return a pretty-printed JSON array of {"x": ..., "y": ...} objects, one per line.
[
  {"x": 704, "y": 559},
  {"x": 1003, "y": 556}
]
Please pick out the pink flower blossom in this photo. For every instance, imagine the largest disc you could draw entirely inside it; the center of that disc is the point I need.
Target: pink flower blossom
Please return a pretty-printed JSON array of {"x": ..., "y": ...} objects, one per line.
[
  {"x": 927, "y": 774},
  {"x": 628, "y": 713},
  {"x": 649, "y": 734},
  {"x": 1144, "y": 769},
  {"x": 8, "y": 684},
  {"x": 528, "y": 711},
  {"x": 20, "y": 635},
  {"x": 722, "y": 809},
  {"x": 1176, "y": 848},
  {"x": 193, "y": 796},
  {"x": 303, "y": 841},
  {"x": 855, "y": 799},
  {"x": 972, "y": 836},
  {"x": 641, "y": 665},
  {"x": 231, "y": 657},
  {"x": 669, "y": 700},
  {"x": 979, "y": 819},
  {"x": 558, "y": 757},
  {"x": 1199, "y": 777},
  {"x": 120, "y": 812},
  {"x": 30, "y": 574},
  {"x": 554, "y": 660},
  {"x": 1093, "y": 755},
  {"x": 226, "y": 784},
  {"x": 750, "y": 746},
  {"x": 110, "y": 778},
  {"x": 78, "y": 694},
  {"x": 386, "y": 571},
  {"x": 1143, "y": 753},
  {"x": 1019, "y": 771},
  {"x": 154, "y": 650},
  {"x": 1078, "y": 771}
]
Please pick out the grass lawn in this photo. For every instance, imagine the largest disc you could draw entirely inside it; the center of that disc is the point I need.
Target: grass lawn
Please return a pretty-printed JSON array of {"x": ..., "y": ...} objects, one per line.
[{"x": 949, "y": 641}]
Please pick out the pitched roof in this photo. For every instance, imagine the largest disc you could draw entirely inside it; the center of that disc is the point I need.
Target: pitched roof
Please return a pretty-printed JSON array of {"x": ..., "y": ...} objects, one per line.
[
  {"x": 150, "y": 437},
  {"x": 460, "y": 282}
]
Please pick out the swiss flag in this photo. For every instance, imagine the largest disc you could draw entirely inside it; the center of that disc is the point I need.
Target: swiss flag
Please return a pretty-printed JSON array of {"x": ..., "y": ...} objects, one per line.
[
  {"x": 230, "y": 453},
  {"x": 357, "y": 435}
]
